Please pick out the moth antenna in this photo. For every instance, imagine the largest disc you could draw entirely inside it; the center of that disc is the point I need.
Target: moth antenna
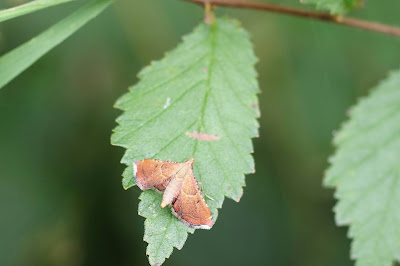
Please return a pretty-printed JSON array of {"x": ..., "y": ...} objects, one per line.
[{"x": 202, "y": 190}]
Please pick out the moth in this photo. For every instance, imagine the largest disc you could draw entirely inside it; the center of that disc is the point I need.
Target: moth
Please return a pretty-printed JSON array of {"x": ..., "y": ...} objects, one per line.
[{"x": 179, "y": 187}]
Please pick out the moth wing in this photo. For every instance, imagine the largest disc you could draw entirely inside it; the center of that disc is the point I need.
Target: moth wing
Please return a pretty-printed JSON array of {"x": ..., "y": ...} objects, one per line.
[
  {"x": 190, "y": 206},
  {"x": 156, "y": 174}
]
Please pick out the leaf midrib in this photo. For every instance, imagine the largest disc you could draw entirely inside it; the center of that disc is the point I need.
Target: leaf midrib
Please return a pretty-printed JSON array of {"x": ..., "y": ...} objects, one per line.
[{"x": 213, "y": 32}]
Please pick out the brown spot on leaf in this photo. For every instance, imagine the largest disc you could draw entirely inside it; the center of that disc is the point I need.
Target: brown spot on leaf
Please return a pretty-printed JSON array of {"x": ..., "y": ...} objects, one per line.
[{"x": 202, "y": 136}]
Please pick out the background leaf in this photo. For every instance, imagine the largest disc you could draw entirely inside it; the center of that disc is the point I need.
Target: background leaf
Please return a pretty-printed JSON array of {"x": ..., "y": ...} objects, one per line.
[
  {"x": 19, "y": 59},
  {"x": 366, "y": 174},
  {"x": 335, "y": 6},
  {"x": 206, "y": 85},
  {"x": 29, "y": 8}
]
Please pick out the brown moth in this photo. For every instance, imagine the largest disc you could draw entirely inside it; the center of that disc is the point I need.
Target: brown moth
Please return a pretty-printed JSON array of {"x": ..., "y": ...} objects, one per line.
[{"x": 179, "y": 187}]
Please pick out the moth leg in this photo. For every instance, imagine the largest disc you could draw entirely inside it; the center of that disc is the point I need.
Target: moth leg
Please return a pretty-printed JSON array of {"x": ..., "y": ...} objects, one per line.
[{"x": 202, "y": 190}]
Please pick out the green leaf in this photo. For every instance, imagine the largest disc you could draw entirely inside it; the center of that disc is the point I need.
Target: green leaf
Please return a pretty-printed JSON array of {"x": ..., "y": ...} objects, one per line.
[
  {"x": 206, "y": 85},
  {"x": 366, "y": 174},
  {"x": 19, "y": 59},
  {"x": 335, "y": 6},
  {"x": 29, "y": 8}
]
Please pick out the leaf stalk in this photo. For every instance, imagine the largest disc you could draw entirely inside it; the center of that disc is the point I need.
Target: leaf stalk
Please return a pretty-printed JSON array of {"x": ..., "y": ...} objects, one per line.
[{"x": 209, "y": 16}]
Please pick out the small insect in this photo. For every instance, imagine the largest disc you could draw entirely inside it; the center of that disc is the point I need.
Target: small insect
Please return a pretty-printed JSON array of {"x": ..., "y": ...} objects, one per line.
[{"x": 179, "y": 187}]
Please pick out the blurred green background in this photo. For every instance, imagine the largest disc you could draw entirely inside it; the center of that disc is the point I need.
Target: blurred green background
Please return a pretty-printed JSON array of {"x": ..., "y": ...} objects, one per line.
[{"x": 61, "y": 199}]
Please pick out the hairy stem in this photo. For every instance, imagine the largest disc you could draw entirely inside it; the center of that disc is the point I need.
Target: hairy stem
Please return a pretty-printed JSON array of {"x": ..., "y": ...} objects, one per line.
[{"x": 324, "y": 16}]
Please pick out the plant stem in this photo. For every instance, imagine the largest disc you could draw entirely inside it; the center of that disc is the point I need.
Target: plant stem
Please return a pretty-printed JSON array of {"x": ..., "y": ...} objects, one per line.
[
  {"x": 209, "y": 17},
  {"x": 324, "y": 16}
]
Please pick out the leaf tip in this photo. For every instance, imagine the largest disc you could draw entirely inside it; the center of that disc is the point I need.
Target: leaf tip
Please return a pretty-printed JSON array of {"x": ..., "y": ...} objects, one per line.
[{"x": 239, "y": 196}]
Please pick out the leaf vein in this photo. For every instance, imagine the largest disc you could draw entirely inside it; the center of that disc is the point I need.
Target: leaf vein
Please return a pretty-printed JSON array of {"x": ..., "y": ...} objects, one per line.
[
  {"x": 184, "y": 71},
  {"x": 162, "y": 111}
]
